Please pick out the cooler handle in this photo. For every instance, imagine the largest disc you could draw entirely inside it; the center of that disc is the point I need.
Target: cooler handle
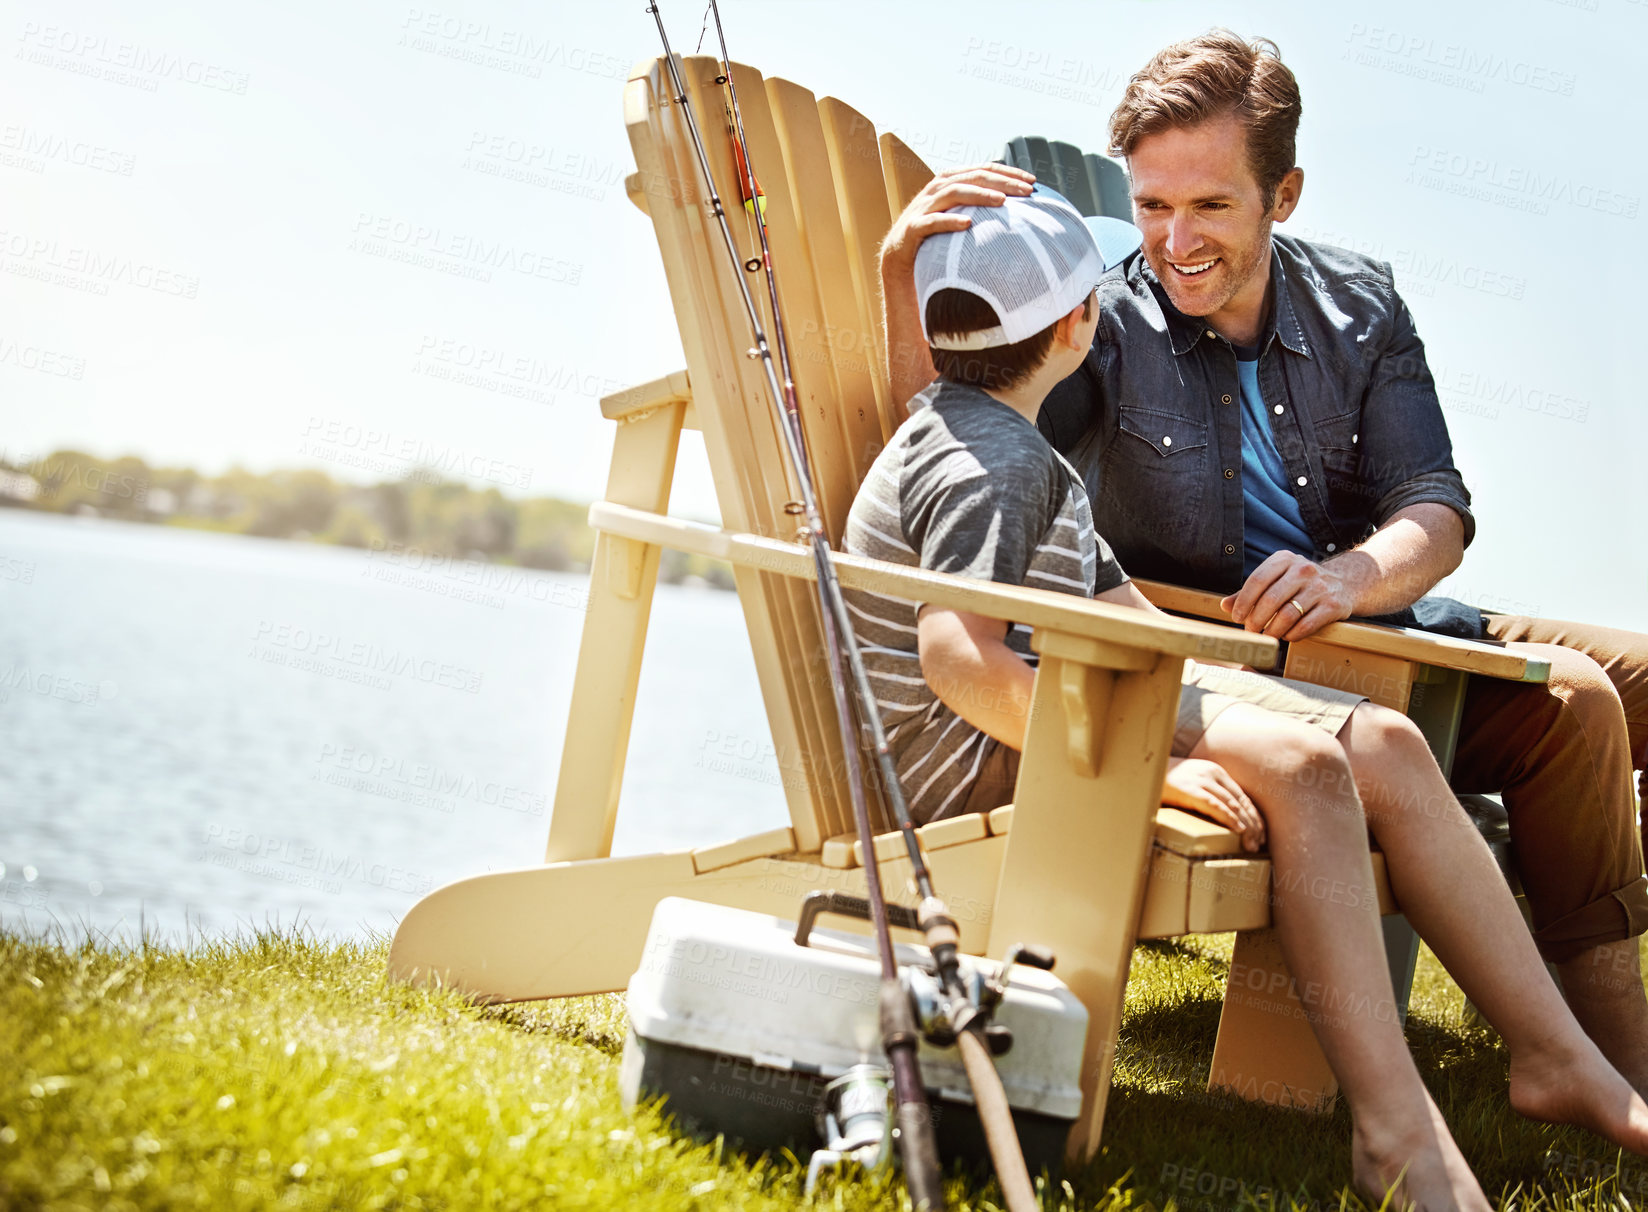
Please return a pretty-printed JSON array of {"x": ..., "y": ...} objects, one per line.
[{"x": 845, "y": 905}]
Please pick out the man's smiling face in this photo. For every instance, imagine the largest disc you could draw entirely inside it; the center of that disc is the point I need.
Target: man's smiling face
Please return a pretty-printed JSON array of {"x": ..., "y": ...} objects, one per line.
[{"x": 1206, "y": 227}]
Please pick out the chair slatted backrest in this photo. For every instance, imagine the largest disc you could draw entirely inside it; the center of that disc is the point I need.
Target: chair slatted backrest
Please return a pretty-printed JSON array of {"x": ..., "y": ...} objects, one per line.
[
  {"x": 1093, "y": 184},
  {"x": 827, "y": 206},
  {"x": 832, "y": 331},
  {"x": 861, "y": 195}
]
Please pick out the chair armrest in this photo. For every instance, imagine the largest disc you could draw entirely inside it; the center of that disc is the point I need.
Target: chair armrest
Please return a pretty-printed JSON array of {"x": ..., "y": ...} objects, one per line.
[
  {"x": 633, "y": 402},
  {"x": 1404, "y": 643},
  {"x": 1040, "y": 608}
]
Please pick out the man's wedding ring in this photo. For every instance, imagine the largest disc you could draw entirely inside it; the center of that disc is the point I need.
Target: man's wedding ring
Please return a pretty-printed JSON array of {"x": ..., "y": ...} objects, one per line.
[{"x": 1295, "y": 604}]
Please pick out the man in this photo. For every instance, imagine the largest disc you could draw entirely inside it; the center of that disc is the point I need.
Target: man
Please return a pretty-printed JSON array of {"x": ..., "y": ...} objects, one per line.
[
  {"x": 967, "y": 485},
  {"x": 1257, "y": 417}
]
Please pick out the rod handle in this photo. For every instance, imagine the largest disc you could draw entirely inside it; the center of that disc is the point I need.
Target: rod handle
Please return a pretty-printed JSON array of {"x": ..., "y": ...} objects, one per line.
[{"x": 913, "y": 1115}]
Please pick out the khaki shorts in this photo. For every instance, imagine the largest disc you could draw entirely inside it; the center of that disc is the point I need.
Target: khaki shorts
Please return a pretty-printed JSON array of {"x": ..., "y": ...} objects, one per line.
[{"x": 1207, "y": 690}]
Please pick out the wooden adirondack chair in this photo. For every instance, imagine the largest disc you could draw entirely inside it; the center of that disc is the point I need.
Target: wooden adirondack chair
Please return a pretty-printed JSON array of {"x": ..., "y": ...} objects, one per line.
[
  {"x": 1093, "y": 184},
  {"x": 1084, "y": 862}
]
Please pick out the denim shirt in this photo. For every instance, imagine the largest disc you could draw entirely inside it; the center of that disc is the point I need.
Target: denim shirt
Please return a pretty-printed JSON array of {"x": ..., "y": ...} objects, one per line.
[{"x": 1152, "y": 418}]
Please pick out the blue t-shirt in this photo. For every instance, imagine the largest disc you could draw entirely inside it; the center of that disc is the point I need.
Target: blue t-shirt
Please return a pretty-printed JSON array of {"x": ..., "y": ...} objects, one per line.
[{"x": 1271, "y": 519}]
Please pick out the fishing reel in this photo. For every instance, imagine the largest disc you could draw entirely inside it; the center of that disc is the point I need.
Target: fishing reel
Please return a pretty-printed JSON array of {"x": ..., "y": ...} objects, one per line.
[
  {"x": 944, "y": 1012},
  {"x": 950, "y": 995},
  {"x": 955, "y": 991},
  {"x": 855, "y": 1118}
]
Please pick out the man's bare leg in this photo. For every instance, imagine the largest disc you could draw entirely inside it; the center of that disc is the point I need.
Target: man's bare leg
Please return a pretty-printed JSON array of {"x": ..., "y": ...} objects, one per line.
[
  {"x": 1564, "y": 755},
  {"x": 1451, "y": 890},
  {"x": 1332, "y": 943},
  {"x": 1605, "y": 992}
]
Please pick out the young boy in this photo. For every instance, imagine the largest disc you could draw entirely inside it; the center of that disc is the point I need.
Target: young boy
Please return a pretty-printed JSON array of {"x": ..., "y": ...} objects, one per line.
[{"x": 968, "y": 485}]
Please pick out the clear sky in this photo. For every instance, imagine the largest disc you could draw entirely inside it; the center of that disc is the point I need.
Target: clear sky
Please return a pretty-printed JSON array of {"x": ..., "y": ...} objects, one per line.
[{"x": 250, "y": 232}]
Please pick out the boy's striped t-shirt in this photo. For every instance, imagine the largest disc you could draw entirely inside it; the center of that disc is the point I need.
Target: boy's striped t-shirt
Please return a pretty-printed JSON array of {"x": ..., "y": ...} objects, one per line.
[{"x": 968, "y": 486}]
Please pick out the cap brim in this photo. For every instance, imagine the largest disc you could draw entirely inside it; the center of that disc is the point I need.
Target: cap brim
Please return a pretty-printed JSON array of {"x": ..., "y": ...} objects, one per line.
[{"x": 1117, "y": 239}]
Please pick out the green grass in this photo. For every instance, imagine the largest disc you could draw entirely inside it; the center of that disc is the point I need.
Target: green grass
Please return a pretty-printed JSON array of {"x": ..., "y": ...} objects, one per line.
[{"x": 275, "y": 1070}]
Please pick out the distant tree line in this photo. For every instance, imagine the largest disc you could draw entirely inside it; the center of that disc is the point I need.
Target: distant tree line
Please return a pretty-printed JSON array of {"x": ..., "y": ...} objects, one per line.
[{"x": 423, "y": 510}]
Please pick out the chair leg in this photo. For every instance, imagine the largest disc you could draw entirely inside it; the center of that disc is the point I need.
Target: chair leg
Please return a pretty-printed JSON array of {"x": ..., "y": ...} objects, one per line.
[
  {"x": 1079, "y": 852},
  {"x": 621, "y": 582},
  {"x": 1266, "y": 1051},
  {"x": 1401, "y": 955}
]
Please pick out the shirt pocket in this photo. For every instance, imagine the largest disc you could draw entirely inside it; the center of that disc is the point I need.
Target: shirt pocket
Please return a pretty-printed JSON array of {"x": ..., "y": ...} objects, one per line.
[
  {"x": 1342, "y": 465},
  {"x": 1337, "y": 440},
  {"x": 1156, "y": 469},
  {"x": 1165, "y": 434},
  {"x": 1340, "y": 432}
]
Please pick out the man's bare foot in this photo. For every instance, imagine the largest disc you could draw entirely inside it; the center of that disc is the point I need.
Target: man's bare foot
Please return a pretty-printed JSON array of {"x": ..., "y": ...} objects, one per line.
[
  {"x": 1563, "y": 1085},
  {"x": 1417, "y": 1163}
]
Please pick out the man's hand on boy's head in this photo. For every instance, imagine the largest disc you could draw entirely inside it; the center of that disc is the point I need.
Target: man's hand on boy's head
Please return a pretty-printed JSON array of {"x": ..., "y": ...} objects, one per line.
[
  {"x": 909, "y": 367},
  {"x": 980, "y": 185}
]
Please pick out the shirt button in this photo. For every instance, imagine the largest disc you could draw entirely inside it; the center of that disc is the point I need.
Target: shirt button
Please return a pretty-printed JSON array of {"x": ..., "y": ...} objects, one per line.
[
  {"x": 1332, "y": 547},
  {"x": 1230, "y": 549},
  {"x": 1303, "y": 481},
  {"x": 1277, "y": 410},
  {"x": 1167, "y": 441},
  {"x": 1212, "y": 334},
  {"x": 1230, "y": 473},
  {"x": 1224, "y": 399},
  {"x": 1353, "y": 438}
]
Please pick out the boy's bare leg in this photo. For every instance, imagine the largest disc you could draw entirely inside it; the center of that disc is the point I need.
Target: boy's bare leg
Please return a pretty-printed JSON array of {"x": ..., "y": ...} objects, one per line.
[
  {"x": 1326, "y": 918},
  {"x": 1451, "y": 890}
]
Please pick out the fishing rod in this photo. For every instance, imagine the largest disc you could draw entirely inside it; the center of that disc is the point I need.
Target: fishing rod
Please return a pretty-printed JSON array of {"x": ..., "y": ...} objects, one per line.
[
  {"x": 917, "y": 1145},
  {"x": 953, "y": 1012},
  {"x": 958, "y": 1015}
]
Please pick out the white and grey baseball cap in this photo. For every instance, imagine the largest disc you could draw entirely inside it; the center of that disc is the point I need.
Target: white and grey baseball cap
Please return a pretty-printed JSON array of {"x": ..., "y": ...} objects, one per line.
[{"x": 1032, "y": 259}]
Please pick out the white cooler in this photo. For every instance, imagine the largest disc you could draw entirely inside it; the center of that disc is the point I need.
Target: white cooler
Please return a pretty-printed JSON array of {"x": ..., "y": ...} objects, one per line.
[{"x": 741, "y": 1029}]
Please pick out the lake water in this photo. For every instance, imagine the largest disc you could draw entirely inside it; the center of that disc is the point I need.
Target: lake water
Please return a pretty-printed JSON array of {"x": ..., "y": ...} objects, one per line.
[{"x": 207, "y": 732}]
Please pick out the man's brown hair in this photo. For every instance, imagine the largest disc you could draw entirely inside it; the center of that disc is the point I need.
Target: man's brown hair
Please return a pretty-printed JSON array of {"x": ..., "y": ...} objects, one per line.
[
  {"x": 1211, "y": 76},
  {"x": 957, "y": 312}
]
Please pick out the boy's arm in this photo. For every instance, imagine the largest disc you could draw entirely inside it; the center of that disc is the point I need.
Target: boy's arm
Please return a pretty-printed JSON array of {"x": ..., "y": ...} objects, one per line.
[
  {"x": 967, "y": 663},
  {"x": 1127, "y": 594}
]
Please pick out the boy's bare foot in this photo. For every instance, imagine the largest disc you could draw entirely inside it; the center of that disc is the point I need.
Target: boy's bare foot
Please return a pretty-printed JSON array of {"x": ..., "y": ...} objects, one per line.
[
  {"x": 1418, "y": 1158},
  {"x": 1563, "y": 1085}
]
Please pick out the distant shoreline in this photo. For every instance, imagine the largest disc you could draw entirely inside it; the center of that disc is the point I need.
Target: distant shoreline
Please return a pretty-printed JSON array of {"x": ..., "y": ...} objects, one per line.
[{"x": 423, "y": 512}]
